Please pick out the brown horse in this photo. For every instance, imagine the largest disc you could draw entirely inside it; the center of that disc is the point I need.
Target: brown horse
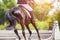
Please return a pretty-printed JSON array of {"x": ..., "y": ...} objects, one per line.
[{"x": 20, "y": 15}]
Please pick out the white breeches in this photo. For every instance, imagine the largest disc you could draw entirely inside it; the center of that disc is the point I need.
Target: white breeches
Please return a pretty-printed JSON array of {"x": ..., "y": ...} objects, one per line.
[{"x": 27, "y": 6}]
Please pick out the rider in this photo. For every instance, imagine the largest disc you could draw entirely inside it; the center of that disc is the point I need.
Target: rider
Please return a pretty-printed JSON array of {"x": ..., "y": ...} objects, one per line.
[{"x": 26, "y": 4}]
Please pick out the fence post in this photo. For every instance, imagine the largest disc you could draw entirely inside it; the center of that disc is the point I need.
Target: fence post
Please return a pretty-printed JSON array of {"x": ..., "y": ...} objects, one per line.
[{"x": 56, "y": 34}]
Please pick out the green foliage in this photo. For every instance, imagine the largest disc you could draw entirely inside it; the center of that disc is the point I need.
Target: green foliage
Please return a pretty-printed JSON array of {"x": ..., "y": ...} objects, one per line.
[
  {"x": 2, "y": 12},
  {"x": 41, "y": 11},
  {"x": 40, "y": 25},
  {"x": 3, "y": 26},
  {"x": 58, "y": 16},
  {"x": 18, "y": 26},
  {"x": 55, "y": 16},
  {"x": 9, "y": 3},
  {"x": 4, "y": 6}
]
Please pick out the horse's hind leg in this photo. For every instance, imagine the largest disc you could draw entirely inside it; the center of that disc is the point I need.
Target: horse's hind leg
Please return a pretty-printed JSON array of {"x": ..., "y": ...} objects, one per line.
[
  {"x": 27, "y": 26},
  {"x": 12, "y": 26},
  {"x": 36, "y": 30},
  {"x": 16, "y": 32},
  {"x": 23, "y": 29}
]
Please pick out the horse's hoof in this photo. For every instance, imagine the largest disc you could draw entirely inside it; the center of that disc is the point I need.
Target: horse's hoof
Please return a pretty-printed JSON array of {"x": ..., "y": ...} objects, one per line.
[
  {"x": 10, "y": 28},
  {"x": 39, "y": 39},
  {"x": 19, "y": 38},
  {"x": 29, "y": 39}
]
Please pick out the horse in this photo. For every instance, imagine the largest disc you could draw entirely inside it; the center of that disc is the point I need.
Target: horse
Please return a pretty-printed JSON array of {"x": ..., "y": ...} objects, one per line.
[{"x": 21, "y": 16}]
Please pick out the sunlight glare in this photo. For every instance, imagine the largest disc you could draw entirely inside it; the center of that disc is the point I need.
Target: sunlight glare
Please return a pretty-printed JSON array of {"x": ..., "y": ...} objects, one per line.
[
  {"x": 0, "y": 0},
  {"x": 37, "y": 0}
]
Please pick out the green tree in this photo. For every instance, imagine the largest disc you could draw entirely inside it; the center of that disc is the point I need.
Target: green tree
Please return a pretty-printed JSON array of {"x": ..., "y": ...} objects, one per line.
[
  {"x": 41, "y": 10},
  {"x": 4, "y": 6},
  {"x": 58, "y": 17},
  {"x": 9, "y": 3}
]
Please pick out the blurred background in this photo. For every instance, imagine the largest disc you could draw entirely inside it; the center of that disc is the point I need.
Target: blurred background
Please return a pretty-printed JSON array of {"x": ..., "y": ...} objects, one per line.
[{"x": 45, "y": 11}]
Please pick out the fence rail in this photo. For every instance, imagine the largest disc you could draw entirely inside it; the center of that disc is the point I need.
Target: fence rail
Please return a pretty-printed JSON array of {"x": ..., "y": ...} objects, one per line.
[
  {"x": 45, "y": 34},
  {"x": 10, "y": 35}
]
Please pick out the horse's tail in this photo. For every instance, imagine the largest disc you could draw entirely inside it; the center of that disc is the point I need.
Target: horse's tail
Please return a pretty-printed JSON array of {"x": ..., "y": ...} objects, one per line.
[{"x": 10, "y": 16}]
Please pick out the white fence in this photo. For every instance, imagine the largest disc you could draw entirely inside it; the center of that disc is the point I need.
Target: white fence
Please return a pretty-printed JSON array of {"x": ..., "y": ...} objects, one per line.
[
  {"x": 45, "y": 35},
  {"x": 10, "y": 35}
]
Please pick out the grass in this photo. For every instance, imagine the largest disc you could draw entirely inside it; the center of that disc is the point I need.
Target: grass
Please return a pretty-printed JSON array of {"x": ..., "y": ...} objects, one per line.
[{"x": 40, "y": 25}]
